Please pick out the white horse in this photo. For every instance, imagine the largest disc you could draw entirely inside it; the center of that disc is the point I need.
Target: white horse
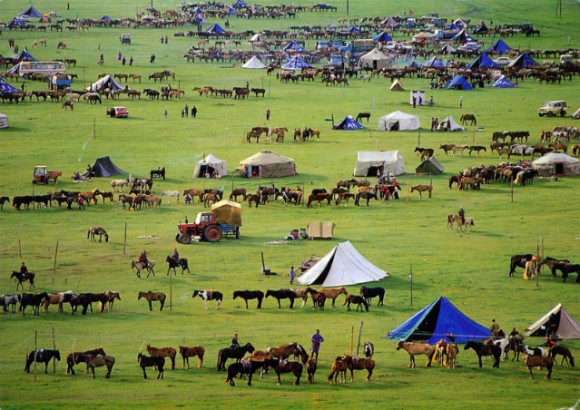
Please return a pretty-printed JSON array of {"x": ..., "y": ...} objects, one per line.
[
  {"x": 120, "y": 183},
  {"x": 170, "y": 194},
  {"x": 209, "y": 295}
]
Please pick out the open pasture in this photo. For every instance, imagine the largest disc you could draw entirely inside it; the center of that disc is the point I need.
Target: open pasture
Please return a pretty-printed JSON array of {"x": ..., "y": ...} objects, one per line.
[{"x": 471, "y": 269}]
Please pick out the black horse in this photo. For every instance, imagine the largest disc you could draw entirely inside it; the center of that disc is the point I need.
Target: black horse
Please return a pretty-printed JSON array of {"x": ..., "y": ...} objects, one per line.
[
  {"x": 519, "y": 261},
  {"x": 489, "y": 349},
  {"x": 250, "y": 294},
  {"x": 566, "y": 269},
  {"x": 41, "y": 356},
  {"x": 364, "y": 195},
  {"x": 282, "y": 294},
  {"x": 369, "y": 293},
  {"x": 34, "y": 300},
  {"x": 248, "y": 367},
  {"x": 23, "y": 277},
  {"x": 174, "y": 264},
  {"x": 153, "y": 361},
  {"x": 236, "y": 352},
  {"x": 565, "y": 352}
]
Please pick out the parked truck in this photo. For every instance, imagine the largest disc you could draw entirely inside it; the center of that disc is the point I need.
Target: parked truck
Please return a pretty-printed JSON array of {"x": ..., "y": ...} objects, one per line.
[
  {"x": 42, "y": 176},
  {"x": 224, "y": 219}
]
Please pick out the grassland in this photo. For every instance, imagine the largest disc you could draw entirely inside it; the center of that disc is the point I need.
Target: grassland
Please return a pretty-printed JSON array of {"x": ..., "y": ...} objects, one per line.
[{"x": 470, "y": 269}]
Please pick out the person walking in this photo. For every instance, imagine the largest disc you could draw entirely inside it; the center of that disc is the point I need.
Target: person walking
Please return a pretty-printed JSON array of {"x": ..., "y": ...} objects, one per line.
[
  {"x": 316, "y": 340},
  {"x": 165, "y": 114},
  {"x": 186, "y": 110},
  {"x": 131, "y": 61},
  {"x": 292, "y": 275},
  {"x": 193, "y": 111},
  {"x": 461, "y": 102},
  {"x": 268, "y": 114}
]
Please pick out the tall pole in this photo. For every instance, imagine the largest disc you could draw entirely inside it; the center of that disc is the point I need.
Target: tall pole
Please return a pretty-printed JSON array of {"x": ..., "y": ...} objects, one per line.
[
  {"x": 54, "y": 348},
  {"x": 55, "y": 255},
  {"x": 125, "y": 239},
  {"x": 359, "y": 335},
  {"x": 411, "y": 280}
]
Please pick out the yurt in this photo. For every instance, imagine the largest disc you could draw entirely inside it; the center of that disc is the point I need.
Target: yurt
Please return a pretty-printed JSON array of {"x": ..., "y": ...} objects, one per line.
[
  {"x": 557, "y": 163},
  {"x": 267, "y": 164}
]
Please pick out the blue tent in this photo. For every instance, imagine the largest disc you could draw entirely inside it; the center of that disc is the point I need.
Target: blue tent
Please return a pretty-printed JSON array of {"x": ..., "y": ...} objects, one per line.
[
  {"x": 382, "y": 37},
  {"x": 16, "y": 23},
  {"x": 296, "y": 63},
  {"x": 462, "y": 36},
  {"x": 434, "y": 62},
  {"x": 523, "y": 61},
  {"x": 499, "y": 47},
  {"x": 503, "y": 82},
  {"x": 437, "y": 320},
  {"x": 348, "y": 124},
  {"x": 31, "y": 12},
  {"x": 414, "y": 64},
  {"x": 458, "y": 83},
  {"x": 483, "y": 61},
  {"x": 7, "y": 88},
  {"x": 354, "y": 29},
  {"x": 216, "y": 29},
  {"x": 24, "y": 55},
  {"x": 292, "y": 46},
  {"x": 239, "y": 4}
]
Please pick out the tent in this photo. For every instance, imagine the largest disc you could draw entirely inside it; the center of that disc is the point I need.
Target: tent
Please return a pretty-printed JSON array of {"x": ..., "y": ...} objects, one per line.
[
  {"x": 483, "y": 61},
  {"x": 210, "y": 165},
  {"x": 557, "y": 163},
  {"x": 104, "y": 167},
  {"x": 16, "y": 23},
  {"x": 342, "y": 266},
  {"x": 523, "y": 61},
  {"x": 348, "y": 124},
  {"x": 239, "y": 4},
  {"x": 399, "y": 121},
  {"x": 382, "y": 38},
  {"x": 320, "y": 230},
  {"x": 376, "y": 60},
  {"x": 449, "y": 124},
  {"x": 430, "y": 166},
  {"x": 458, "y": 83},
  {"x": 419, "y": 98},
  {"x": 397, "y": 86},
  {"x": 31, "y": 12},
  {"x": 254, "y": 62},
  {"x": 215, "y": 29},
  {"x": 293, "y": 46},
  {"x": 296, "y": 63},
  {"x": 267, "y": 164},
  {"x": 447, "y": 49},
  {"x": 3, "y": 121},
  {"x": 462, "y": 37},
  {"x": 7, "y": 88},
  {"x": 437, "y": 320},
  {"x": 502, "y": 82},
  {"x": 499, "y": 47},
  {"x": 576, "y": 114},
  {"x": 105, "y": 82},
  {"x": 434, "y": 62},
  {"x": 369, "y": 162},
  {"x": 558, "y": 321},
  {"x": 24, "y": 55}
]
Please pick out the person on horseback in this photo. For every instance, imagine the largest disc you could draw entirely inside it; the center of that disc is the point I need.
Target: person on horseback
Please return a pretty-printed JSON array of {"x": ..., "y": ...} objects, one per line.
[
  {"x": 234, "y": 342},
  {"x": 143, "y": 258},
  {"x": 494, "y": 329},
  {"x": 175, "y": 256},
  {"x": 462, "y": 215},
  {"x": 23, "y": 269}
]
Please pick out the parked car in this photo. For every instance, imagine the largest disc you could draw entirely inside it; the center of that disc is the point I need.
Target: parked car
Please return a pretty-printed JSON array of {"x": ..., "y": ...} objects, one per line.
[
  {"x": 502, "y": 61},
  {"x": 553, "y": 108},
  {"x": 118, "y": 112},
  {"x": 125, "y": 39}
]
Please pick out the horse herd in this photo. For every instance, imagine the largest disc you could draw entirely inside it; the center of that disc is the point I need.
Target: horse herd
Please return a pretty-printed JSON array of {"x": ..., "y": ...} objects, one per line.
[{"x": 532, "y": 265}]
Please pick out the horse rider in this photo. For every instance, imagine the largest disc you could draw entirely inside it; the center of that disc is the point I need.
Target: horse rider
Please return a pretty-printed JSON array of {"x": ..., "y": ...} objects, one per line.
[
  {"x": 143, "y": 258},
  {"x": 494, "y": 329},
  {"x": 23, "y": 269},
  {"x": 462, "y": 216},
  {"x": 234, "y": 342},
  {"x": 175, "y": 255}
]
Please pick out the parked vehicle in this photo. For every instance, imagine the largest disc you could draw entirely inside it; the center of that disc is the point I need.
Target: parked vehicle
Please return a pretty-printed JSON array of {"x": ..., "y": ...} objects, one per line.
[
  {"x": 118, "y": 112},
  {"x": 43, "y": 176},
  {"x": 553, "y": 108}
]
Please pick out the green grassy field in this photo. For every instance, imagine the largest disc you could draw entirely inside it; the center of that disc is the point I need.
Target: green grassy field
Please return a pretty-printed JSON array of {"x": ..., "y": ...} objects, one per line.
[{"x": 470, "y": 269}]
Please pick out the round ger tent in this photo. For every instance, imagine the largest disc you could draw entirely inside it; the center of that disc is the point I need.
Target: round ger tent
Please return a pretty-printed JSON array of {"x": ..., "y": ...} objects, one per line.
[
  {"x": 399, "y": 121},
  {"x": 267, "y": 164},
  {"x": 557, "y": 163}
]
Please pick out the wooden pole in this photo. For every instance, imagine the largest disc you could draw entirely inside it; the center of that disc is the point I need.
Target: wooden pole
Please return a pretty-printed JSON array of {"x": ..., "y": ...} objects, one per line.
[
  {"x": 55, "y": 255},
  {"x": 411, "y": 279},
  {"x": 359, "y": 336},
  {"x": 54, "y": 347},
  {"x": 351, "y": 339},
  {"x": 19, "y": 248},
  {"x": 125, "y": 239},
  {"x": 512, "y": 189},
  {"x": 170, "y": 291}
]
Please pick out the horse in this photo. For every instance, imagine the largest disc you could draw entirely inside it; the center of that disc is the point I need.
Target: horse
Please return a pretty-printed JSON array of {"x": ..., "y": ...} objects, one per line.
[
  {"x": 565, "y": 352},
  {"x": 421, "y": 189},
  {"x": 468, "y": 117},
  {"x": 452, "y": 352},
  {"x": 333, "y": 293},
  {"x": 69, "y": 103},
  {"x": 284, "y": 366},
  {"x": 174, "y": 264},
  {"x": 369, "y": 293},
  {"x": 248, "y": 367},
  {"x": 236, "y": 352},
  {"x": 302, "y": 294},
  {"x": 311, "y": 367},
  {"x": 440, "y": 355},
  {"x": 283, "y": 351},
  {"x": 318, "y": 298},
  {"x": 250, "y": 294},
  {"x": 362, "y": 115},
  {"x": 425, "y": 152},
  {"x": 476, "y": 148},
  {"x": 337, "y": 369},
  {"x": 119, "y": 183},
  {"x": 35, "y": 300},
  {"x": 23, "y": 277},
  {"x": 8, "y": 300},
  {"x": 447, "y": 147},
  {"x": 566, "y": 269},
  {"x": 319, "y": 198},
  {"x": 364, "y": 195},
  {"x": 369, "y": 349},
  {"x": 163, "y": 352},
  {"x": 237, "y": 192},
  {"x": 282, "y": 294},
  {"x": 152, "y": 296},
  {"x": 41, "y": 356},
  {"x": 415, "y": 349},
  {"x": 59, "y": 299},
  {"x": 187, "y": 352},
  {"x": 111, "y": 296},
  {"x": 81, "y": 357},
  {"x": 359, "y": 301},
  {"x": 141, "y": 266},
  {"x": 97, "y": 230},
  {"x": 86, "y": 300},
  {"x": 354, "y": 363},
  {"x": 146, "y": 361},
  {"x": 519, "y": 261},
  {"x": 485, "y": 350},
  {"x": 99, "y": 361},
  {"x": 461, "y": 225},
  {"x": 539, "y": 361},
  {"x": 209, "y": 295}
]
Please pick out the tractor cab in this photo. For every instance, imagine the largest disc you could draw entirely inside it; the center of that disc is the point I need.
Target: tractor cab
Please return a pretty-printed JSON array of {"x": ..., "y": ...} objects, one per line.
[{"x": 40, "y": 174}]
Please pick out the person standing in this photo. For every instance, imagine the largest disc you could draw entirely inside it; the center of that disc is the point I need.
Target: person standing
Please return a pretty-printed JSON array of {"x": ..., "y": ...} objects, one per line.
[
  {"x": 124, "y": 61},
  {"x": 414, "y": 102},
  {"x": 292, "y": 275},
  {"x": 193, "y": 111},
  {"x": 131, "y": 61},
  {"x": 186, "y": 110},
  {"x": 461, "y": 102},
  {"x": 431, "y": 102},
  {"x": 268, "y": 114},
  {"x": 152, "y": 58},
  {"x": 461, "y": 214},
  {"x": 316, "y": 340},
  {"x": 165, "y": 114},
  {"x": 432, "y": 123}
]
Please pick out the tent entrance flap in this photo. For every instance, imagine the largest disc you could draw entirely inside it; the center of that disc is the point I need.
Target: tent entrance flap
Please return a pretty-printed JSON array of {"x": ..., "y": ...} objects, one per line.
[
  {"x": 320, "y": 280},
  {"x": 375, "y": 171},
  {"x": 427, "y": 327}
]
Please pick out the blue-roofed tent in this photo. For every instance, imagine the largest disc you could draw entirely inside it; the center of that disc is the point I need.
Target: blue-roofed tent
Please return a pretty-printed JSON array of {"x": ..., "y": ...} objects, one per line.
[
  {"x": 483, "y": 61},
  {"x": 354, "y": 29},
  {"x": 7, "y": 88},
  {"x": 105, "y": 18},
  {"x": 216, "y": 29},
  {"x": 434, "y": 62},
  {"x": 296, "y": 63},
  {"x": 503, "y": 82},
  {"x": 16, "y": 23},
  {"x": 414, "y": 64},
  {"x": 24, "y": 55},
  {"x": 499, "y": 47},
  {"x": 462, "y": 36},
  {"x": 382, "y": 37},
  {"x": 292, "y": 46},
  {"x": 239, "y": 4},
  {"x": 523, "y": 61},
  {"x": 436, "y": 321},
  {"x": 458, "y": 83},
  {"x": 31, "y": 12},
  {"x": 348, "y": 124}
]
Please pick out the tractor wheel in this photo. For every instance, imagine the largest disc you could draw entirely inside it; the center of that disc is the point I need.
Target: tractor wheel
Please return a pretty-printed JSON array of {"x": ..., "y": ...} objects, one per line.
[
  {"x": 237, "y": 232},
  {"x": 183, "y": 238},
  {"x": 212, "y": 233}
]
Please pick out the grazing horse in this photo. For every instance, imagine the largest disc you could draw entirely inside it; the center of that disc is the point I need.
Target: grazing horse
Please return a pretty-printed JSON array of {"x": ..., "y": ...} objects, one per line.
[
  {"x": 333, "y": 293},
  {"x": 187, "y": 352},
  {"x": 369, "y": 349},
  {"x": 174, "y": 264},
  {"x": 311, "y": 366},
  {"x": 284, "y": 366},
  {"x": 566, "y": 269},
  {"x": 421, "y": 189},
  {"x": 282, "y": 294},
  {"x": 319, "y": 198},
  {"x": 81, "y": 357},
  {"x": 141, "y": 266},
  {"x": 362, "y": 115},
  {"x": 318, "y": 298},
  {"x": 369, "y": 293},
  {"x": 97, "y": 230},
  {"x": 146, "y": 361},
  {"x": 485, "y": 350},
  {"x": 153, "y": 296},
  {"x": 8, "y": 300},
  {"x": 237, "y": 192},
  {"x": 538, "y": 361},
  {"x": 209, "y": 295},
  {"x": 23, "y": 277},
  {"x": 35, "y": 300},
  {"x": 354, "y": 363},
  {"x": 99, "y": 361},
  {"x": 41, "y": 356},
  {"x": 565, "y": 352},
  {"x": 236, "y": 352},
  {"x": 337, "y": 369},
  {"x": 247, "y": 366},
  {"x": 364, "y": 195},
  {"x": 468, "y": 117},
  {"x": 519, "y": 261},
  {"x": 425, "y": 152},
  {"x": 359, "y": 301},
  {"x": 250, "y": 294},
  {"x": 163, "y": 352},
  {"x": 415, "y": 349}
]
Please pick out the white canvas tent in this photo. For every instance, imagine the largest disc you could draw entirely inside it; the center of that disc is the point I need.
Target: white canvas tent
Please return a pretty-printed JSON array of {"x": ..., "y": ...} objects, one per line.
[
  {"x": 212, "y": 166},
  {"x": 376, "y": 60},
  {"x": 3, "y": 120},
  {"x": 105, "y": 82},
  {"x": 399, "y": 121},
  {"x": 419, "y": 98},
  {"x": 449, "y": 124},
  {"x": 559, "y": 321},
  {"x": 369, "y": 162},
  {"x": 267, "y": 164},
  {"x": 397, "y": 86},
  {"x": 557, "y": 163},
  {"x": 342, "y": 266},
  {"x": 255, "y": 63}
]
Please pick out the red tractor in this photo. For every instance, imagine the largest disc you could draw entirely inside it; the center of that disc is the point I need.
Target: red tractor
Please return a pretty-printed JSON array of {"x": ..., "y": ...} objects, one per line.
[{"x": 206, "y": 228}]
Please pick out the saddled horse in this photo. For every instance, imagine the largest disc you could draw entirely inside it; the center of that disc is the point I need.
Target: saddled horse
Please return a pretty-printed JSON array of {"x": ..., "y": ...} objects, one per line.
[
  {"x": 141, "y": 266},
  {"x": 282, "y": 294},
  {"x": 415, "y": 349},
  {"x": 174, "y": 264},
  {"x": 338, "y": 369},
  {"x": 369, "y": 293},
  {"x": 285, "y": 366},
  {"x": 153, "y": 296},
  {"x": 488, "y": 349},
  {"x": 81, "y": 357},
  {"x": 359, "y": 301},
  {"x": 41, "y": 356},
  {"x": 146, "y": 361},
  {"x": 23, "y": 277},
  {"x": 244, "y": 367},
  {"x": 250, "y": 294},
  {"x": 163, "y": 352},
  {"x": 100, "y": 361},
  {"x": 519, "y": 261},
  {"x": 32, "y": 299},
  {"x": 333, "y": 293},
  {"x": 209, "y": 295},
  {"x": 462, "y": 225},
  {"x": 187, "y": 352},
  {"x": 468, "y": 117},
  {"x": 357, "y": 363},
  {"x": 97, "y": 230},
  {"x": 236, "y": 352}
]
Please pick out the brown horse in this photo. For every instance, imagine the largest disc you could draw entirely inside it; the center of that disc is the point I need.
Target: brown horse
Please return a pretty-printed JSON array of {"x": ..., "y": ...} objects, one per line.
[
  {"x": 354, "y": 363},
  {"x": 163, "y": 352},
  {"x": 99, "y": 361},
  {"x": 311, "y": 366},
  {"x": 422, "y": 188},
  {"x": 187, "y": 352},
  {"x": 468, "y": 117},
  {"x": 359, "y": 301},
  {"x": 333, "y": 293},
  {"x": 237, "y": 192},
  {"x": 283, "y": 351},
  {"x": 302, "y": 294},
  {"x": 452, "y": 352},
  {"x": 415, "y": 349},
  {"x": 539, "y": 361},
  {"x": 23, "y": 277},
  {"x": 82, "y": 357},
  {"x": 153, "y": 296},
  {"x": 319, "y": 198},
  {"x": 318, "y": 298},
  {"x": 284, "y": 366},
  {"x": 440, "y": 355},
  {"x": 338, "y": 368}
]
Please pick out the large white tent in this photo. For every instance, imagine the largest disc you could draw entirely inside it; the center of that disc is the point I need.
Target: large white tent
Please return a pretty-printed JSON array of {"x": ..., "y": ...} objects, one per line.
[
  {"x": 212, "y": 166},
  {"x": 557, "y": 163},
  {"x": 369, "y": 162},
  {"x": 255, "y": 63},
  {"x": 375, "y": 60},
  {"x": 342, "y": 266},
  {"x": 105, "y": 82},
  {"x": 449, "y": 124},
  {"x": 399, "y": 121}
]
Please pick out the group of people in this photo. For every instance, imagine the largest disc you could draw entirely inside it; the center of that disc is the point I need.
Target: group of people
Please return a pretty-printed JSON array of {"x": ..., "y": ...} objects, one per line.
[
  {"x": 185, "y": 111},
  {"x": 316, "y": 341},
  {"x": 296, "y": 234}
]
